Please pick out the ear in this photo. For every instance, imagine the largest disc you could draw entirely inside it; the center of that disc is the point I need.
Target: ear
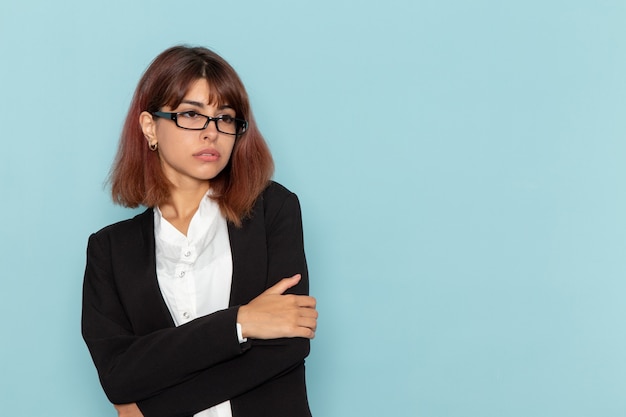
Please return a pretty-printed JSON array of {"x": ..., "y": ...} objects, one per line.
[{"x": 148, "y": 127}]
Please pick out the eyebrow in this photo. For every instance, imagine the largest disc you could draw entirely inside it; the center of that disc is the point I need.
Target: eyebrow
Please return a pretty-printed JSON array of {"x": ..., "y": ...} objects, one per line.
[{"x": 199, "y": 104}]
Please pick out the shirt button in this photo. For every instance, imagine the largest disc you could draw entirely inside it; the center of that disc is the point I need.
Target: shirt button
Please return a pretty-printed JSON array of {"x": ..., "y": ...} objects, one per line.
[
  {"x": 188, "y": 253},
  {"x": 186, "y": 315},
  {"x": 182, "y": 274}
]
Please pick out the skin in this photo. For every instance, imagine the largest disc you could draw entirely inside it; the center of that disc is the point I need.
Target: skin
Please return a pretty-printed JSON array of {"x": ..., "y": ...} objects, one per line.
[
  {"x": 273, "y": 314},
  {"x": 180, "y": 149}
]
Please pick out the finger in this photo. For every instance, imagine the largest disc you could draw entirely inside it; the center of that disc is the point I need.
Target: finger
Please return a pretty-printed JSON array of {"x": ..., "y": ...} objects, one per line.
[
  {"x": 309, "y": 323},
  {"x": 306, "y": 333},
  {"x": 305, "y": 301},
  {"x": 283, "y": 285},
  {"x": 308, "y": 312}
]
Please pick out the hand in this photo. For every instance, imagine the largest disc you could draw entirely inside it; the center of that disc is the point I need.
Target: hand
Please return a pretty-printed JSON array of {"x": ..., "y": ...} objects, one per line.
[
  {"x": 274, "y": 314},
  {"x": 128, "y": 410}
]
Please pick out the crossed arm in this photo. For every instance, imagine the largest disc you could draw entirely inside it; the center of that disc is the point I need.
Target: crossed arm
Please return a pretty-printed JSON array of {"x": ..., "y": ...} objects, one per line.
[{"x": 272, "y": 315}]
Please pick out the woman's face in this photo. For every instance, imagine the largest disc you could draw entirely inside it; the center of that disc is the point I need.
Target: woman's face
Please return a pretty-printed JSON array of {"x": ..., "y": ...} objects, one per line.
[{"x": 190, "y": 157}]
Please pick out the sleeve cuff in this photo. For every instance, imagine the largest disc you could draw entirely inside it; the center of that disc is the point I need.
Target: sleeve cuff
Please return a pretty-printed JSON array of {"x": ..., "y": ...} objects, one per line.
[{"x": 240, "y": 335}]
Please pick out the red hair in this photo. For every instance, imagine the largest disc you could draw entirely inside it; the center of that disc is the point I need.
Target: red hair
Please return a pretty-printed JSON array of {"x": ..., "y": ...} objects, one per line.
[{"x": 136, "y": 176}]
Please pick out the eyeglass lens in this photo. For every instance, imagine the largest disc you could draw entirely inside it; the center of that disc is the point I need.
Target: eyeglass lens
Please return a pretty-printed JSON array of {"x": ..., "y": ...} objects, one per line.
[{"x": 225, "y": 124}]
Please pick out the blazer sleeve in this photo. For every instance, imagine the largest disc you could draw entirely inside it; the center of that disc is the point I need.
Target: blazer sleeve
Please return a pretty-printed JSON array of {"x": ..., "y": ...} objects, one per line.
[
  {"x": 266, "y": 359},
  {"x": 133, "y": 366}
]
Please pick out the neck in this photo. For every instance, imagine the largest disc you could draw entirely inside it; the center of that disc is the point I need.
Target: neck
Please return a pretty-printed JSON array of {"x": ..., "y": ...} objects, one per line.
[{"x": 183, "y": 204}]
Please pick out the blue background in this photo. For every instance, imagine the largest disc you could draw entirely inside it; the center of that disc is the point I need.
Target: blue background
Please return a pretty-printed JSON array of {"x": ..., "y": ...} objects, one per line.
[{"x": 461, "y": 171}]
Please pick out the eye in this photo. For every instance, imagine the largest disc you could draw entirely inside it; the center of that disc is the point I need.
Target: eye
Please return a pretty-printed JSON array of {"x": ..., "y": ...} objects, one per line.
[
  {"x": 227, "y": 119},
  {"x": 188, "y": 114}
]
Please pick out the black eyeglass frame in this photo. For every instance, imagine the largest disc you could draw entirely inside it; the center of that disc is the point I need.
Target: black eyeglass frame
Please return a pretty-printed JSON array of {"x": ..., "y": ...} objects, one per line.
[{"x": 243, "y": 124}]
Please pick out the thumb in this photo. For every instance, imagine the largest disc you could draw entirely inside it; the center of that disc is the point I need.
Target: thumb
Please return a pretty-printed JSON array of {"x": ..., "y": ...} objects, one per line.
[{"x": 283, "y": 285}]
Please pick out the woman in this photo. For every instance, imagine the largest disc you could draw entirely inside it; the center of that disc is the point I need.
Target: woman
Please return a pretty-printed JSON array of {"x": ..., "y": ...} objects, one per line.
[{"x": 198, "y": 306}]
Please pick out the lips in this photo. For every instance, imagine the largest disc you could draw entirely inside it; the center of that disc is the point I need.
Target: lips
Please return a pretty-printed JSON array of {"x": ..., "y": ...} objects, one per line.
[{"x": 208, "y": 155}]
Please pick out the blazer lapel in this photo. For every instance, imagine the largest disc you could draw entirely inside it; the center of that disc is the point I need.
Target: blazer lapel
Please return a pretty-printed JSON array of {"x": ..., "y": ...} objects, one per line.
[
  {"x": 149, "y": 308},
  {"x": 249, "y": 250}
]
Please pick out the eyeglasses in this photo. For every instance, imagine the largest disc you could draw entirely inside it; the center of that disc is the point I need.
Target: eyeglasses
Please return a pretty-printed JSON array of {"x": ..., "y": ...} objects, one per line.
[{"x": 192, "y": 120}]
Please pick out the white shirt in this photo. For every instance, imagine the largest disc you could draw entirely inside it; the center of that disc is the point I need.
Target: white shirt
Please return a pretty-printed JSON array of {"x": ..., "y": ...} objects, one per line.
[{"x": 195, "y": 271}]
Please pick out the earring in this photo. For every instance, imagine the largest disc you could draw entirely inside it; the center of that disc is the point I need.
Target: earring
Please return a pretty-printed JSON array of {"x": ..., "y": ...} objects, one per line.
[{"x": 153, "y": 146}]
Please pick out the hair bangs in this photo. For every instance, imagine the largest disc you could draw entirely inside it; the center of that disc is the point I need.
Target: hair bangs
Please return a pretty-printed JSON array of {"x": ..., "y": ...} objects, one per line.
[{"x": 225, "y": 88}]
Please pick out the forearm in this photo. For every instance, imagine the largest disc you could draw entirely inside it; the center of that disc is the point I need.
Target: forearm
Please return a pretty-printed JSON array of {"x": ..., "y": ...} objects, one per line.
[
  {"x": 133, "y": 367},
  {"x": 267, "y": 359}
]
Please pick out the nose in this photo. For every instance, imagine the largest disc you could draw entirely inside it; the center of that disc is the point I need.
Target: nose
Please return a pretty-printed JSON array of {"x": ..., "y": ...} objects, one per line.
[{"x": 210, "y": 132}]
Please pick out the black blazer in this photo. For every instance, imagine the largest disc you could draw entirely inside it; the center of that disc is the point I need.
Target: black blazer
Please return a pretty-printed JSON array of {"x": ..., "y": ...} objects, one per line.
[{"x": 177, "y": 371}]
